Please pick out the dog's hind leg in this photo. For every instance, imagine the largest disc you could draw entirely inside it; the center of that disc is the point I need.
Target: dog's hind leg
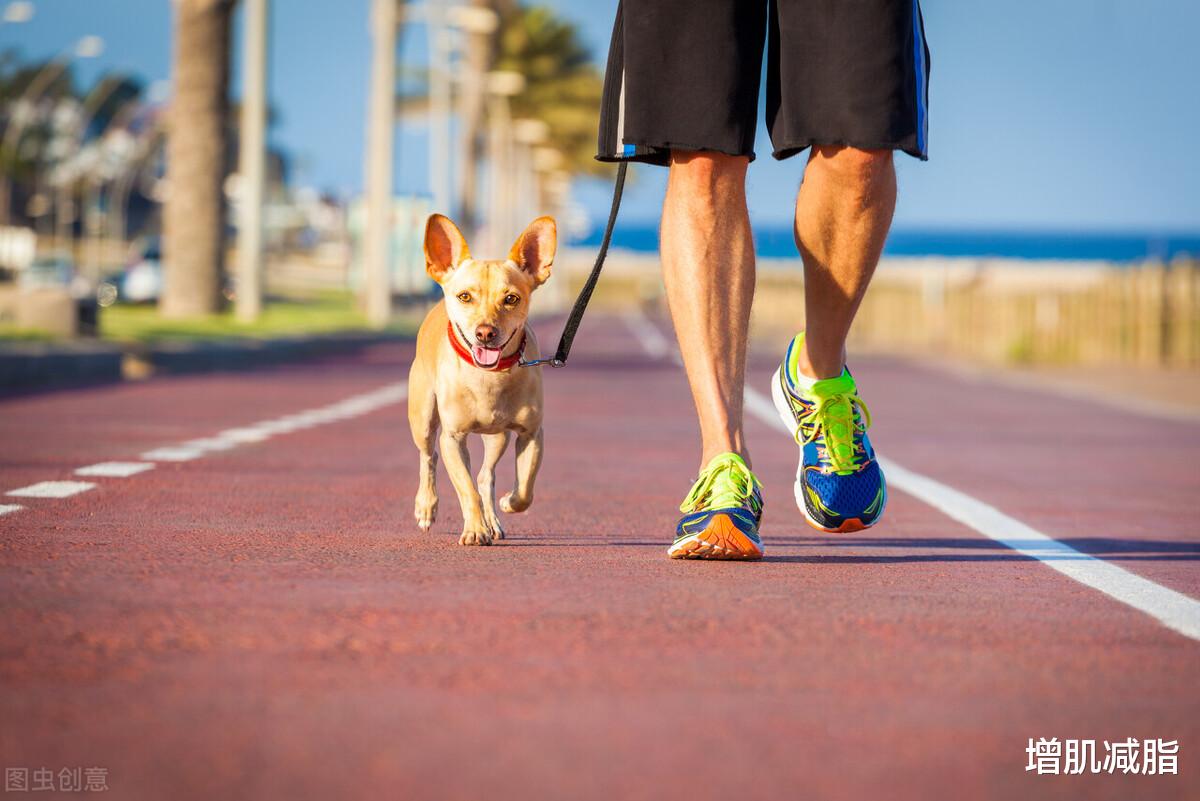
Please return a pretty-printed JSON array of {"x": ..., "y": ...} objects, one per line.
[
  {"x": 529, "y": 459},
  {"x": 494, "y": 446},
  {"x": 423, "y": 419}
]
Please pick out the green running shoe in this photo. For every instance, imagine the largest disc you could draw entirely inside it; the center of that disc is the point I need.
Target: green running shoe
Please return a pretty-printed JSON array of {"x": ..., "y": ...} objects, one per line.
[
  {"x": 721, "y": 514},
  {"x": 839, "y": 484}
]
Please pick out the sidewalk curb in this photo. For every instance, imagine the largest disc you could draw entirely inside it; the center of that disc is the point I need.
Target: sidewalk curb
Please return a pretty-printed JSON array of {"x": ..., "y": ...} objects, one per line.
[
  {"x": 36, "y": 365},
  {"x": 44, "y": 365}
]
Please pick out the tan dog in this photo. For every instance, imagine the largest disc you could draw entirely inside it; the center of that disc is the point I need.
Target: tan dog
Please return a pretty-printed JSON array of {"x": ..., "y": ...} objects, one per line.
[{"x": 466, "y": 380}]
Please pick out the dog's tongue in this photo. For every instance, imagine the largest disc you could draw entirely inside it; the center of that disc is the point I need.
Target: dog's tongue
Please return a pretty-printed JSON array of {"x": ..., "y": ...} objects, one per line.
[{"x": 485, "y": 357}]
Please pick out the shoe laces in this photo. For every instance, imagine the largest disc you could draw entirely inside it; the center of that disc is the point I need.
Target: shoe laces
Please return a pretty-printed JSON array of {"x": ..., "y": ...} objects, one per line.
[
  {"x": 724, "y": 484},
  {"x": 838, "y": 417}
]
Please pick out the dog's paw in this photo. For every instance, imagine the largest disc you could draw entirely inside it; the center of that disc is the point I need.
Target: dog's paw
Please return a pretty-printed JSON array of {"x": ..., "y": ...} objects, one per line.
[
  {"x": 426, "y": 514},
  {"x": 475, "y": 536},
  {"x": 493, "y": 524},
  {"x": 511, "y": 504}
]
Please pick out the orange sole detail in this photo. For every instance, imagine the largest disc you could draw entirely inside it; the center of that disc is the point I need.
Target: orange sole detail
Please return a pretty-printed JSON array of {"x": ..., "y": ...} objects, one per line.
[
  {"x": 847, "y": 527},
  {"x": 722, "y": 540}
]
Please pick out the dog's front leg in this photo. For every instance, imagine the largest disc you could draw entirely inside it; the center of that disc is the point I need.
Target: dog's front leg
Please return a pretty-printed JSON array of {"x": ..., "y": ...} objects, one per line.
[
  {"x": 529, "y": 459},
  {"x": 494, "y": 446},
  {"x": 423, "y": 418},
  {"x": 458, "y": 464}
]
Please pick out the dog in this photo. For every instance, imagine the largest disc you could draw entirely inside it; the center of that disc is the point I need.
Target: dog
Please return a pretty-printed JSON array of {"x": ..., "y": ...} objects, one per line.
[{"x": 467, "y": 379}]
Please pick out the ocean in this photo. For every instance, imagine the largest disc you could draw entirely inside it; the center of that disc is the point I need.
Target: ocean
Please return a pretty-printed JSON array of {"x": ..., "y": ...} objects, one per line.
[{"x": 776, "y": 242}]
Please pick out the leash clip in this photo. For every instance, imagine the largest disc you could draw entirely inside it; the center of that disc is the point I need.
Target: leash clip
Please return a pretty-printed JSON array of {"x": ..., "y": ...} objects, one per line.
[{"x": 538, "y": 362}]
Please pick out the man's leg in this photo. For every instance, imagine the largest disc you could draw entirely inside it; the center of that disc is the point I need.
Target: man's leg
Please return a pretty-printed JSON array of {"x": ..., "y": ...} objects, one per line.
[
  {"x": 842, "y": 216},
  {"x": 843, "y": 212},
  {"x": 708, "y": 269}
]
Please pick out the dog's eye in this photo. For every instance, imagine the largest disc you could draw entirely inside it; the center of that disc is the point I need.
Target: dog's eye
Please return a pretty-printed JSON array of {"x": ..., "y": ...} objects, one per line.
[
  {"x": 511, "y": 300},
  {"x": 465, "y": 297}
]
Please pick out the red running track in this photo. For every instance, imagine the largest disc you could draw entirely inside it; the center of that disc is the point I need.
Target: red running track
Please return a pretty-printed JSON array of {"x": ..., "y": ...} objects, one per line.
[{"x": 267, "y": 623}]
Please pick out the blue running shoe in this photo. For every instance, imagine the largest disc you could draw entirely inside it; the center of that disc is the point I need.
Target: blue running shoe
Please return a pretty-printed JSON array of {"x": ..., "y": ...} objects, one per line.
[
  {"x": 721, "y": 514},
  {"x": 839, "y": 485}
]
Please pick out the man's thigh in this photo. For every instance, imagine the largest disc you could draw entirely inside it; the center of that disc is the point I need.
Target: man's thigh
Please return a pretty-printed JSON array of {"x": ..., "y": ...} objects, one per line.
[
  {"x": 682, "y": 74},
  {"x": 847, "y": 72}
]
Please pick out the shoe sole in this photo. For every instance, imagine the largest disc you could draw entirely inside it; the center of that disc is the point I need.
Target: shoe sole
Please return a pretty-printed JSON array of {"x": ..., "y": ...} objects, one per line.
[
  {"x": 721, "y": 541},
  {"x": 784, "y": 409}
]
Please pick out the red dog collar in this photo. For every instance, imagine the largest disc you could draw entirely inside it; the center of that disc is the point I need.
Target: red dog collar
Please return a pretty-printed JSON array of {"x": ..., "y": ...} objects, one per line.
[{"x": 503, "y": 363}]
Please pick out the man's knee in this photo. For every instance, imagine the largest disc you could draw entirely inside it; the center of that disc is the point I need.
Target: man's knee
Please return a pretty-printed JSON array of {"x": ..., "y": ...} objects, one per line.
[
  {"x": 853, "y": 165},
  {"x": 707, "y": 168}
]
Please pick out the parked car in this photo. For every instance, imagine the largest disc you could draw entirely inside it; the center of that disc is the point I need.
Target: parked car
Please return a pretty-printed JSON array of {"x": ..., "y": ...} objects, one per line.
[
  {"x": 47, "y": 272},
  {"x": 141, "y": 280}
]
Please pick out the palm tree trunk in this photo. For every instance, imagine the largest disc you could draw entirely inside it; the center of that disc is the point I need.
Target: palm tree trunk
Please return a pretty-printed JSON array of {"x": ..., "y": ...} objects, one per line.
[{"x": 194, "y": 214}]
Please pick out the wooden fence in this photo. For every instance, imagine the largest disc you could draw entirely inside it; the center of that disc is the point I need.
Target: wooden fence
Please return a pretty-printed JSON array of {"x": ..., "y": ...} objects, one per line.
[
  {"x": 1146, "y": 315},
  {"x": 997, "y": 311}
]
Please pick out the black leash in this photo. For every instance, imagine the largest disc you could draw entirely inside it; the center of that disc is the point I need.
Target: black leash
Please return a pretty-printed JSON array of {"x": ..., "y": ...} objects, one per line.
[{"x": 585, "y": 294}]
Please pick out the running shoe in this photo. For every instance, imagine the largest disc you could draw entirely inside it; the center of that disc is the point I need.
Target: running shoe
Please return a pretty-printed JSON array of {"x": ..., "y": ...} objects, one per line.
[
  {"x": 721, "y": 514},
  {"x": 839, "y": 484}
]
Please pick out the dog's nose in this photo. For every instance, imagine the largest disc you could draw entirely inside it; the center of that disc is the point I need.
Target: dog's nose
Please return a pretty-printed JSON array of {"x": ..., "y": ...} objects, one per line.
[{"x": 486, "y": 334}]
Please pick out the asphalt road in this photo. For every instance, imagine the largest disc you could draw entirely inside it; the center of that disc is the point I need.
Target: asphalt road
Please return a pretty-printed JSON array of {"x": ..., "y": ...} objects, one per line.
[{"x": 257, "y": 616}]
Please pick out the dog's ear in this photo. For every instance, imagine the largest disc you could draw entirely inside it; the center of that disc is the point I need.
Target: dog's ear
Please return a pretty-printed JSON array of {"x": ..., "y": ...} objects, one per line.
[
  {"x": 534, "y": 249},
  {"x": 445, "y": 247}
]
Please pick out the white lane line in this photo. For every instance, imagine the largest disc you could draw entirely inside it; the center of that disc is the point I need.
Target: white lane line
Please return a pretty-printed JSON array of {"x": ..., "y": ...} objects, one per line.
[
  {"x": 230, "y": 438},
  {"x": 52, "y": 489},
  {"x": 270, "y": 428},
  {"x": 207, "y": 444},
  {"x": 115, "y": 469},
  {"x": 353, "y": 406},
  {"x": 653, "y": 342},
  {"x": 172, "y": 453},
  {"x": 242, "y": 436},
  {"x": 1176, "y": 611}
]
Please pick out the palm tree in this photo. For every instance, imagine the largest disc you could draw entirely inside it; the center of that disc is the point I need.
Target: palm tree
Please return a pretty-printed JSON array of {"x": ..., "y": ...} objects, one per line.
[
  {"x": 562, "y": 88},
  {"x": 194, "y": 212},
  {"x": 23, "y": 143},
  {"x": 562, "y": 85}
]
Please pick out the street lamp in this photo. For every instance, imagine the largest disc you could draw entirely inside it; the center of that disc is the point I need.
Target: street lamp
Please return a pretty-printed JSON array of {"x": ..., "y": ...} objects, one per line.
[
  {"x": 527, "y": 134},
  {"x": 252, "y": 159},
  {"x": 381, "y": 119},
  {"x": 441, "y": 20},
  {"x": 501, "y": 86},
  {"x": 439, "y": 104}
]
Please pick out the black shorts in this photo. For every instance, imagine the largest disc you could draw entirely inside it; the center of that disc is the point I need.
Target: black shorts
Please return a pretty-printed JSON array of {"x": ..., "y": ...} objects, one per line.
[{"x": 685, "y": 74}]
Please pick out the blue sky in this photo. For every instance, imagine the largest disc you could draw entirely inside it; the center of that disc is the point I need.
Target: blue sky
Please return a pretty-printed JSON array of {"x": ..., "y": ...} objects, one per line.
[{"x": 1056, "y": 114}]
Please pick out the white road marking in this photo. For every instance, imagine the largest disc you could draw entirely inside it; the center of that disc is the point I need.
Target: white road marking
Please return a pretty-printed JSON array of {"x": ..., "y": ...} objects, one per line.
[
  {"x": 263, "y": 430},
  {"x": 1176, "y": 611},
  {"x": 52, "y": 489},
  {"x": 270, "y": 428},
  {"x": 115, "y": 469},
  {"x": 241, "y": 436},
  {"x": 175, "y": 453},
  {"x": 344, "y": 409},
  {"x": 207, "y": 444},
  {"x": 653, "y": 342}
]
